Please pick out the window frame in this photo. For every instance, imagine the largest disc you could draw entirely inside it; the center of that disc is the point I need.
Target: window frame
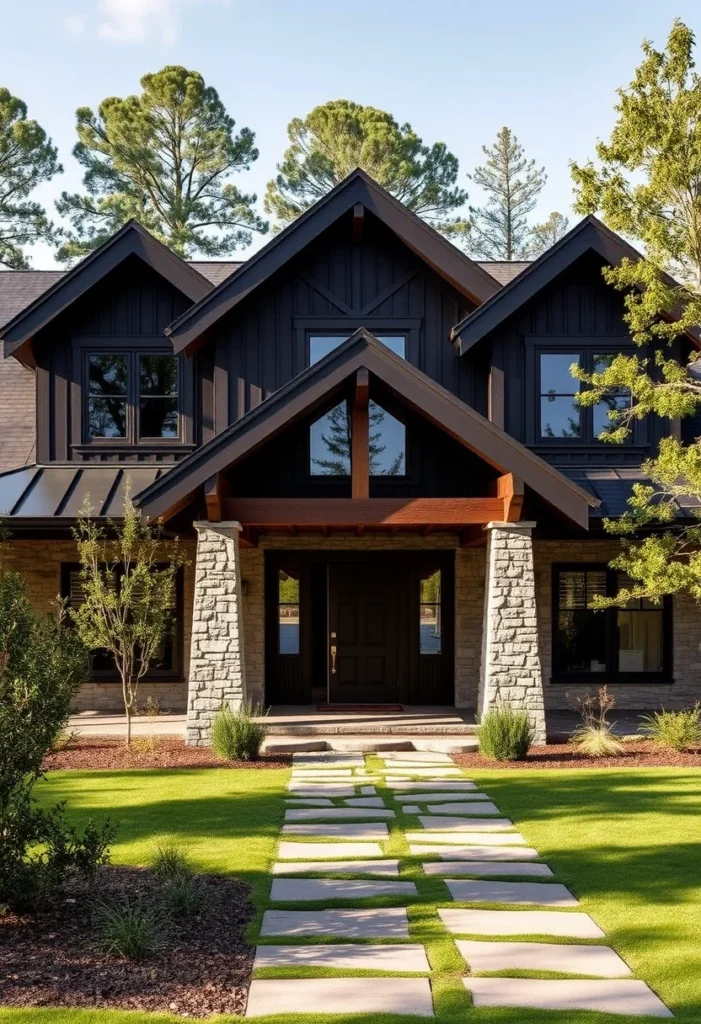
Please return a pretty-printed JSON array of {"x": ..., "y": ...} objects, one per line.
[
  {"x": 174, "y": 674},
  {"x": 611, "y": 674},
  {"x": 312, "y": 477}
]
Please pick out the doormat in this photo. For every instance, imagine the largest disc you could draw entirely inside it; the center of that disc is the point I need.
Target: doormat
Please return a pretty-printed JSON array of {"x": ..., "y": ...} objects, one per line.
[{"x": 362, "y": 709}]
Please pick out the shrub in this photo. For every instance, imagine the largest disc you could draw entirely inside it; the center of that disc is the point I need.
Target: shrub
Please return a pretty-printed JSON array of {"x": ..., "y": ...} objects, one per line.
[
  {"x": 505, "y": 734},
  {"x": 596, "y": 741},
  {"x": 130, "y": 930},
  {"x": 183, "y": 895},
  {"x": 170, "y": 862},
  {"x": 236, "y": 736},
  {"x": 677, "y": 730}
]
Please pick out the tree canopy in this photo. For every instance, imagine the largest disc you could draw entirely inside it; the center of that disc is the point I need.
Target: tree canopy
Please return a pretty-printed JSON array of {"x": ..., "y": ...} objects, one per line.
[
  {"x": 27, "y": 158},
  {"x": 165, "y": 157},
  {"x": 544, "y": 235},
  {"x": 338, "y": 136},
  {"x": 646, "y": 185}
]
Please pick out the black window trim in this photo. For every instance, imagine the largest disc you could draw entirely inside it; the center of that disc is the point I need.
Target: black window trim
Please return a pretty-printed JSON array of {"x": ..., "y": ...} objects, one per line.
[
  {"x": 611, "y": 675},
  {"x": 176, "y": 674}
]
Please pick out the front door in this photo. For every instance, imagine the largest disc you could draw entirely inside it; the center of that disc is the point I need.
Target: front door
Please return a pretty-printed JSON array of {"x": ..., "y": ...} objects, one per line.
[{"x": 364, "y": 609}]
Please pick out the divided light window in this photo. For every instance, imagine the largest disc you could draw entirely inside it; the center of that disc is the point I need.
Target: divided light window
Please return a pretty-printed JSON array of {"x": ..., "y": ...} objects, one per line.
[
  {"x": 288, "y": 613},
  {"x": 330, "y": 443},
  {"x": 430, "y": 613},
  {"x": 133, "y": 396},
  {"x": 629, "y": 644},
  {"x": 561, "y": 418}
]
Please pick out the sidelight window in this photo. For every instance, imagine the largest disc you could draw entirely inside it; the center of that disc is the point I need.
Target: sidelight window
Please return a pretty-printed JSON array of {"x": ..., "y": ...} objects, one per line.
[
  {"x": 430, "y": 613},
  {"x": 288, "y": 613}
]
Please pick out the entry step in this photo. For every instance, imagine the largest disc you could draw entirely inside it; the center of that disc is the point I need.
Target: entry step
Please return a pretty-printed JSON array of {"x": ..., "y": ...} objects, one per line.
[{"x": 282, "y": 744}]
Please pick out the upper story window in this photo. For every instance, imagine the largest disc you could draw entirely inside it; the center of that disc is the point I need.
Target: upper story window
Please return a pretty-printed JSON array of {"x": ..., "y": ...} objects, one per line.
[
  {"x": 330, "y": 443},
  {"x": 321, "y": 344},
  {"x": 133, "y": 396},
  {"x": 560, "y": 416}
]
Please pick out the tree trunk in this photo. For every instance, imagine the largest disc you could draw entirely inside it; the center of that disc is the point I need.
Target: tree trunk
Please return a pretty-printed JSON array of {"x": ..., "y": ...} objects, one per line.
[{"x": 128, "y": 711}]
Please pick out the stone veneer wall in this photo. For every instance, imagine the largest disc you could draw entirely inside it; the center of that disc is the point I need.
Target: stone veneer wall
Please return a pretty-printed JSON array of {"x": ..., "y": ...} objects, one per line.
[{"x": 39, "y": 561}]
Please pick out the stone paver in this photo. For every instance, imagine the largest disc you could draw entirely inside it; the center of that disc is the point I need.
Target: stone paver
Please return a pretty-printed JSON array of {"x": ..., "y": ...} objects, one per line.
[
  {"x": 474, "y": 852},
  {"x": 430, "y": 756},
  {"x": 411, "y": 809},
  {"x": 368, "y": 790},
  {"x": 331, "y": 813},
  {"x": 482, "y": 867},
  {"x": 365, "y": 801},
  {"x": 543, "y": 894},
  {"x": 473, "y": 807},
  {"x": 435, "y": 821},
  {"x": 310, "y": 802},
  {"x": 432, "y": 773},
  {"x": 327, "y": 758},
  {"x": 327, "y": 851},
  {"x": 389, "y": 868},
  {"x": 304, "y": 789},
  {"x": 389, "y": 923},
  {"x": 628, "y": 997},
  {"x": 295, "y": 890},
  {"x": 468, "y": 837},
  {"x": 349, "y": 830},
  {"x": 426, "y": 786},
  {"x": 541, "y": 956},
  {"x": 439, "y": 798},
  {"x": 519, "y": 922},
  {"x": 336, "y": 995},
  {"x": 407, "y": 959}
]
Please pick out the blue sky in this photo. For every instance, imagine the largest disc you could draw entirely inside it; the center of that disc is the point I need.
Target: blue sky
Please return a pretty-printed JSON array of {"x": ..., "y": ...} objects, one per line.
[{"x": 457, "y": 71}]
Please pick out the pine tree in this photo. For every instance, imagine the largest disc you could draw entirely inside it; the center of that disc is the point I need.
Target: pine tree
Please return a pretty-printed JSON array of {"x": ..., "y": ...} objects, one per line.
[{"x": 544, "y": 235}]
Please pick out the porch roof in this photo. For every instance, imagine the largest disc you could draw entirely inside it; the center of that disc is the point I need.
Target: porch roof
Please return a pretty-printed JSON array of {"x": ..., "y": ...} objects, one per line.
[{"x": 298, "y": 398}]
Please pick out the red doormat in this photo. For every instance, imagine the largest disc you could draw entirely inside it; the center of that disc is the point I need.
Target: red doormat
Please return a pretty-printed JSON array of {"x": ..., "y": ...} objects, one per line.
[{"x": 362, "y": 709}]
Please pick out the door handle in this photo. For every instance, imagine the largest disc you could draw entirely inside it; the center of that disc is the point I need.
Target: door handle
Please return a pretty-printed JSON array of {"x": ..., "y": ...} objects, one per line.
[{"x": 333, "y": 659}]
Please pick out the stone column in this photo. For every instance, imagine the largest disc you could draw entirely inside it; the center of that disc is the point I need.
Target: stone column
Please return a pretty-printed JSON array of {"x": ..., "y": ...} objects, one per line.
[
  {"x": 510, "y": 672},
  {"x": 217, "y": 669}
]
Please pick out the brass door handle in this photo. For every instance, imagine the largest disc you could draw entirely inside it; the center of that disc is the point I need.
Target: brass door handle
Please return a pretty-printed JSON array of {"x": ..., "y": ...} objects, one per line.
[{"x": 333, "y": 659}]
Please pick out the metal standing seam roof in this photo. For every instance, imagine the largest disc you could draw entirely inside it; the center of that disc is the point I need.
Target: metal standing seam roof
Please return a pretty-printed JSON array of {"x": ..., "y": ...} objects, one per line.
[
  {"x": 61, "y": 492},
  {"x": 613, "y": 488}
]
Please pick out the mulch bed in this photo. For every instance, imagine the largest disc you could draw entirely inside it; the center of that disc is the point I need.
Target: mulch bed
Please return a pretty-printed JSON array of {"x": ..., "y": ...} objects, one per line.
[
  {"x": 159, "y": 752},
  {"x": 636, "y": 754},
  {"x": 204, "y": 966}
]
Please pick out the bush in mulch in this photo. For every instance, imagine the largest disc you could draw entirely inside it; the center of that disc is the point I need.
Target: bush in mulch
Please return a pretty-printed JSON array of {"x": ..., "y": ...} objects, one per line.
[
  {"x": 151, "y": 752},
  {"x": 635, "y": 754},
  {"x": 199, "y": 962}
]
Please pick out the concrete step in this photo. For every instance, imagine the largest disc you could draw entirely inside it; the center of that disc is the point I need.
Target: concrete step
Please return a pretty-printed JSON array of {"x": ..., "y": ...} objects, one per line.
[
  {"x": 373, "y": 728},
  {"x": 275, "y": 744}
]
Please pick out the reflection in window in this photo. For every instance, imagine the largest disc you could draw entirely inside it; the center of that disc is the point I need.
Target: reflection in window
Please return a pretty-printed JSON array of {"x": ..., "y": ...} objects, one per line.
[
  {"x": 615, "y": 400},
  {"x": 158, "y": 396},
  {"x": 580, "y": 635},
  {"x": 108, "y": 383},
  {"x": 430, "y": 613},
  {"x": 560, "y": 416},
  {"x": 640, "y": 634},
  {"x": 288, "y": 613},
  {"x": 330, "y": 443},
  {"x": 387, "y": 443},
  {"x": 321, "y": 344}
]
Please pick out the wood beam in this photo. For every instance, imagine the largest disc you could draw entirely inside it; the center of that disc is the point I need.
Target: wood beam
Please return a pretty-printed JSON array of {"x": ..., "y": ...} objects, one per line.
[
  {"x": 360, "y": 436},
  {"x": 215, "y": 491},
  {"x": 348, "y": 513},
  {"x": 510, "y": 490},
  {"x": 358, "y": 219}
]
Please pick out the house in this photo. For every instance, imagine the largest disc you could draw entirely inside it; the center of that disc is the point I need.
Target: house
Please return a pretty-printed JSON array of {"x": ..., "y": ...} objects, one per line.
[{"x": 369, "y": 445}]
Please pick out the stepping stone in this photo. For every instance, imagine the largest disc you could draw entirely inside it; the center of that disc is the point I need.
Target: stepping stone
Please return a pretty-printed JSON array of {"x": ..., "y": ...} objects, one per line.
[
  {"x": 388, "y": 868},
  {"x": 544, "y": 894},
  {"x": 338, "y": 777},
  {"x": 312, "y": 996},
  {"x": 541, "y": 956},
  {"x": 350, "y": 830},
  {"x": 368, "y": 790},
  {"x": 467, "y": 838},
  {"x": 519, "y": 922},
  {"x": 310, "y": 802},
  {"x": 294, "y": 890},
  {"x": 411, "y": 809},
  {"x": 310, "y": 813},
  {"x": 327, "y": 851},
  {"x": 347, "y": 957},
  {"x": 416, "y": 756},
  {"x": 460, "y": 853},
  {"x": 430, "y": 798},
  {"x": 390, "y": 923},
  {"x": 365, "y": 801},
  {"x": 442, "y": 787},
  {"x": 465, "y": 824},
  {"x": 397, "y": 767},
  {"x": 327, "y": 758},
  {"x": 485, "y": 868},
  {"x": 473, "y": 807},
  {"x": 303, "y": 789},
  {"x": 433, "y": 773},
  {"x": 629, "y": 997}
]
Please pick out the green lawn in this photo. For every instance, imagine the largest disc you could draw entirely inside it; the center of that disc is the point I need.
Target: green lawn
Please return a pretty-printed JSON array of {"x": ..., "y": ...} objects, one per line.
[{"x": 625, "y": 842}]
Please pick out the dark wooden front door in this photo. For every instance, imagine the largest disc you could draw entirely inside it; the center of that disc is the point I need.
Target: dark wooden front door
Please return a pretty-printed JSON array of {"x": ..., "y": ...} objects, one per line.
[{"x": 364, "y": 622}]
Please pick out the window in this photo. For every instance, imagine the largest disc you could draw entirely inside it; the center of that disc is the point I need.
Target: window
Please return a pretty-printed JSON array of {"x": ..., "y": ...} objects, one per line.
[
  {"x": 133, "y": 396},
  {"x": 330, "y": 443},
  {"x": 321, "y": 344},
  {"x": 430, "y": 613},
  {"x": 288, "y": 613},
  {"x": 387, "y": 443},
  {"x": 560, "y": 415},
  {"x": 632, "y": 643},
  {"x": 166, "y": 663}
]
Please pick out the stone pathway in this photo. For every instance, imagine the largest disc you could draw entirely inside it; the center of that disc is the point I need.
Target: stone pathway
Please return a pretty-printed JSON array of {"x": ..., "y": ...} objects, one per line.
[{"x": 334, "y": 851}]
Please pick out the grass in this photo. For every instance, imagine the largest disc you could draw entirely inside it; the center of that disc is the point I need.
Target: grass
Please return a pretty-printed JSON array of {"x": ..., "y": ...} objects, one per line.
[{"x": 624, "y": 841}]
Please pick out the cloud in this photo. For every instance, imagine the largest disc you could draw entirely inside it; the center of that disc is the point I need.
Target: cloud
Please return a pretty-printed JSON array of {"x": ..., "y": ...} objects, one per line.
[
  {"x": 76, "y": 25},
  {"x": 139, "y": 21}
]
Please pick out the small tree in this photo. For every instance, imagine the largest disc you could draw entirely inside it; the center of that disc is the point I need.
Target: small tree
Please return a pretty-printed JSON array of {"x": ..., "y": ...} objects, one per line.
[{"x": 127, "y": 574}]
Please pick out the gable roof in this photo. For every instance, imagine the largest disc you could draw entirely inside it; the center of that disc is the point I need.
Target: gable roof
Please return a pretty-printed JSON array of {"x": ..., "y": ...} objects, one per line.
[
  {"x": 132, "y": 239},
  {"x": 589, "y": 234},
  {"x": 435, "y": 250},
  {"x": 310, "y": 388}
]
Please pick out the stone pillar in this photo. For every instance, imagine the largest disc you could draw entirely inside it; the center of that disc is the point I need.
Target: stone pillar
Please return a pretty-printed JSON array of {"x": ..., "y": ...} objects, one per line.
[
  {"x": 217, "y": 669},
  {"x": 510, "y": 671}
]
